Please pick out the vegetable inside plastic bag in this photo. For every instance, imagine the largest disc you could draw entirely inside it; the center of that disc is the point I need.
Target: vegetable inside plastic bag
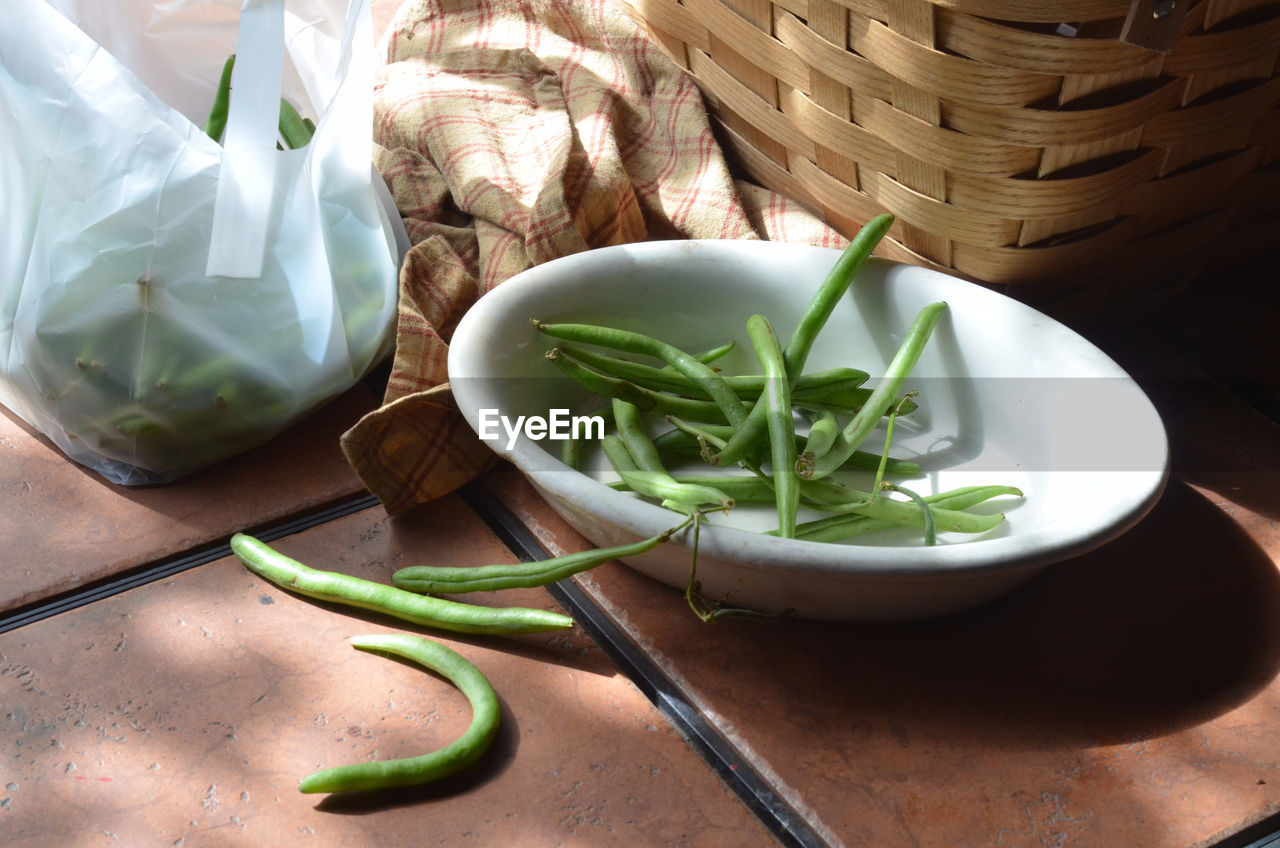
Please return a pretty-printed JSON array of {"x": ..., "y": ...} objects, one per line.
[{"x": 167, "y": 301}]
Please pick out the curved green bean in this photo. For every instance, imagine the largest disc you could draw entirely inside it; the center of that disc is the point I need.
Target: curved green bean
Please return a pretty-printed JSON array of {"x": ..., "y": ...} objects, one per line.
[
  {"x": 720, "y": 351},
  {"x": 832, "y": 290},
  {"x": 626, "y": 419},
  {"x": 486, "y": 716},
  {"x": 288, "y": 573}
]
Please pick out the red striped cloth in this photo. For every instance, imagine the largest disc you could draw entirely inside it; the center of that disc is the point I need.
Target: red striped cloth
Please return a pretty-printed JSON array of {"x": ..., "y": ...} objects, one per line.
[{"x": 512, "y": 132}]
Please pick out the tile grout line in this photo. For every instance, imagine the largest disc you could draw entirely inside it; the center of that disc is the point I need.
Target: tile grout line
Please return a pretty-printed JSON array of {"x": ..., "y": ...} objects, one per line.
[
  {"x": 787, "y": 826},
  {"x": 1261, "y": 834},
  {"x": 100, "y": 590}
]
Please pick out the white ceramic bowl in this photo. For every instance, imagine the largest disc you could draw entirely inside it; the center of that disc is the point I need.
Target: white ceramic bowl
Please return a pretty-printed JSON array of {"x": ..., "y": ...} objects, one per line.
[{"x": 1007, "y": 395}]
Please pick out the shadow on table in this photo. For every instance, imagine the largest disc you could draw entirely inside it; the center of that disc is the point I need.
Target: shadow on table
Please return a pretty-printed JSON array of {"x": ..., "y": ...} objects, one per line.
[
  {"x": 495, "y": 760},
  {"x": 1165, "y": 628}
]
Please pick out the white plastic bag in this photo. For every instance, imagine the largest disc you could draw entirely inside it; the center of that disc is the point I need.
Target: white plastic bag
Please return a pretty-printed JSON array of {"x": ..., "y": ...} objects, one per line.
[{"x": 166, "y": 301}]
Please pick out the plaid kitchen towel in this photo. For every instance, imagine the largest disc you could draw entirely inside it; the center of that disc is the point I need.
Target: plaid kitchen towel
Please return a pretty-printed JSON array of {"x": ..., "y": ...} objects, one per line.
[{"x": 512, "y": 132}]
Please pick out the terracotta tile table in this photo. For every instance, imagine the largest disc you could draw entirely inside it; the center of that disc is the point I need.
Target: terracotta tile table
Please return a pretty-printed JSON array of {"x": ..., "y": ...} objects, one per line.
[
  {"x": 183, "y": 712},
  {"x": 66, "y": 527},
  {"x": 155, "y": 693},
  {"x": 1128, "y": 697}
]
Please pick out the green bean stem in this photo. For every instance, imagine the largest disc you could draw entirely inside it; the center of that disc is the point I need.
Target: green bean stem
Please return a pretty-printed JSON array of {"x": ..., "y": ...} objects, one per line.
[
  {"x": 930, "y": 518},
  {"x": 781, "y": 421},
  {"x": 881, "y": 467},
  {"x": 333, "y": 587},
  {"x": 486, "y": 716},
  {"x": 864, "y": 421},
  {"x": 710, "y": 440}
]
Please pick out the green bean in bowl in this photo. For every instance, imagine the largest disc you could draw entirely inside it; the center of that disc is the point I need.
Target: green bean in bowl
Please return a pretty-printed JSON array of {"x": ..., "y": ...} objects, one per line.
[{"x": 843, "y": 437}]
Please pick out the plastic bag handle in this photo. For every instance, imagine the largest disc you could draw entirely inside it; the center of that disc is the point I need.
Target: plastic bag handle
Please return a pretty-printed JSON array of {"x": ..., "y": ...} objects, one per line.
[{"x": 246, "y": 182}]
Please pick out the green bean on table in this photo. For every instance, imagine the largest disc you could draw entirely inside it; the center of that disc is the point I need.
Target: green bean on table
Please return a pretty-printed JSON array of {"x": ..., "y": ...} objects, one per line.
[
  {"x": 444, "y": 580},
  {"x": 292, "y": 575},
  {"x": 486, "y": 717}
]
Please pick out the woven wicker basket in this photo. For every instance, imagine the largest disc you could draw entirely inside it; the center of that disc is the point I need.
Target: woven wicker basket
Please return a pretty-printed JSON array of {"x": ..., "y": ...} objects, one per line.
[{"x": 1073, "y": 152}]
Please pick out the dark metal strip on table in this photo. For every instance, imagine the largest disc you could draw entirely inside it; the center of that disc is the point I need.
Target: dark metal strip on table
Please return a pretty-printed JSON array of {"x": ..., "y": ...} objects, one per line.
[
  {"x": 1261, "y": 834},
  {"x": 161, "y": 569},
  {"x": 790, "y": 829}
]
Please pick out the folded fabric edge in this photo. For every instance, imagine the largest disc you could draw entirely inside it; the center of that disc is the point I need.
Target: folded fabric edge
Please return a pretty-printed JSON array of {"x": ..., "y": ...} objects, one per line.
[{"x": 415, "y": 449}]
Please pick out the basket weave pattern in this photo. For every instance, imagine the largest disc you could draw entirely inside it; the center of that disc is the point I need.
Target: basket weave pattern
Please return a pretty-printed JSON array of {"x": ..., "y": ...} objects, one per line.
[{"x": 1020, "y": 143}]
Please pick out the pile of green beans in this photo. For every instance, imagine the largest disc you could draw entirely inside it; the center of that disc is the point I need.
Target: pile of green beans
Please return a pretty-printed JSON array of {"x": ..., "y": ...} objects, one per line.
[
  {"x": 750, "y": 420},
  {"x": 448, "y": 580},
  {"x": 141, "y": 383}
]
